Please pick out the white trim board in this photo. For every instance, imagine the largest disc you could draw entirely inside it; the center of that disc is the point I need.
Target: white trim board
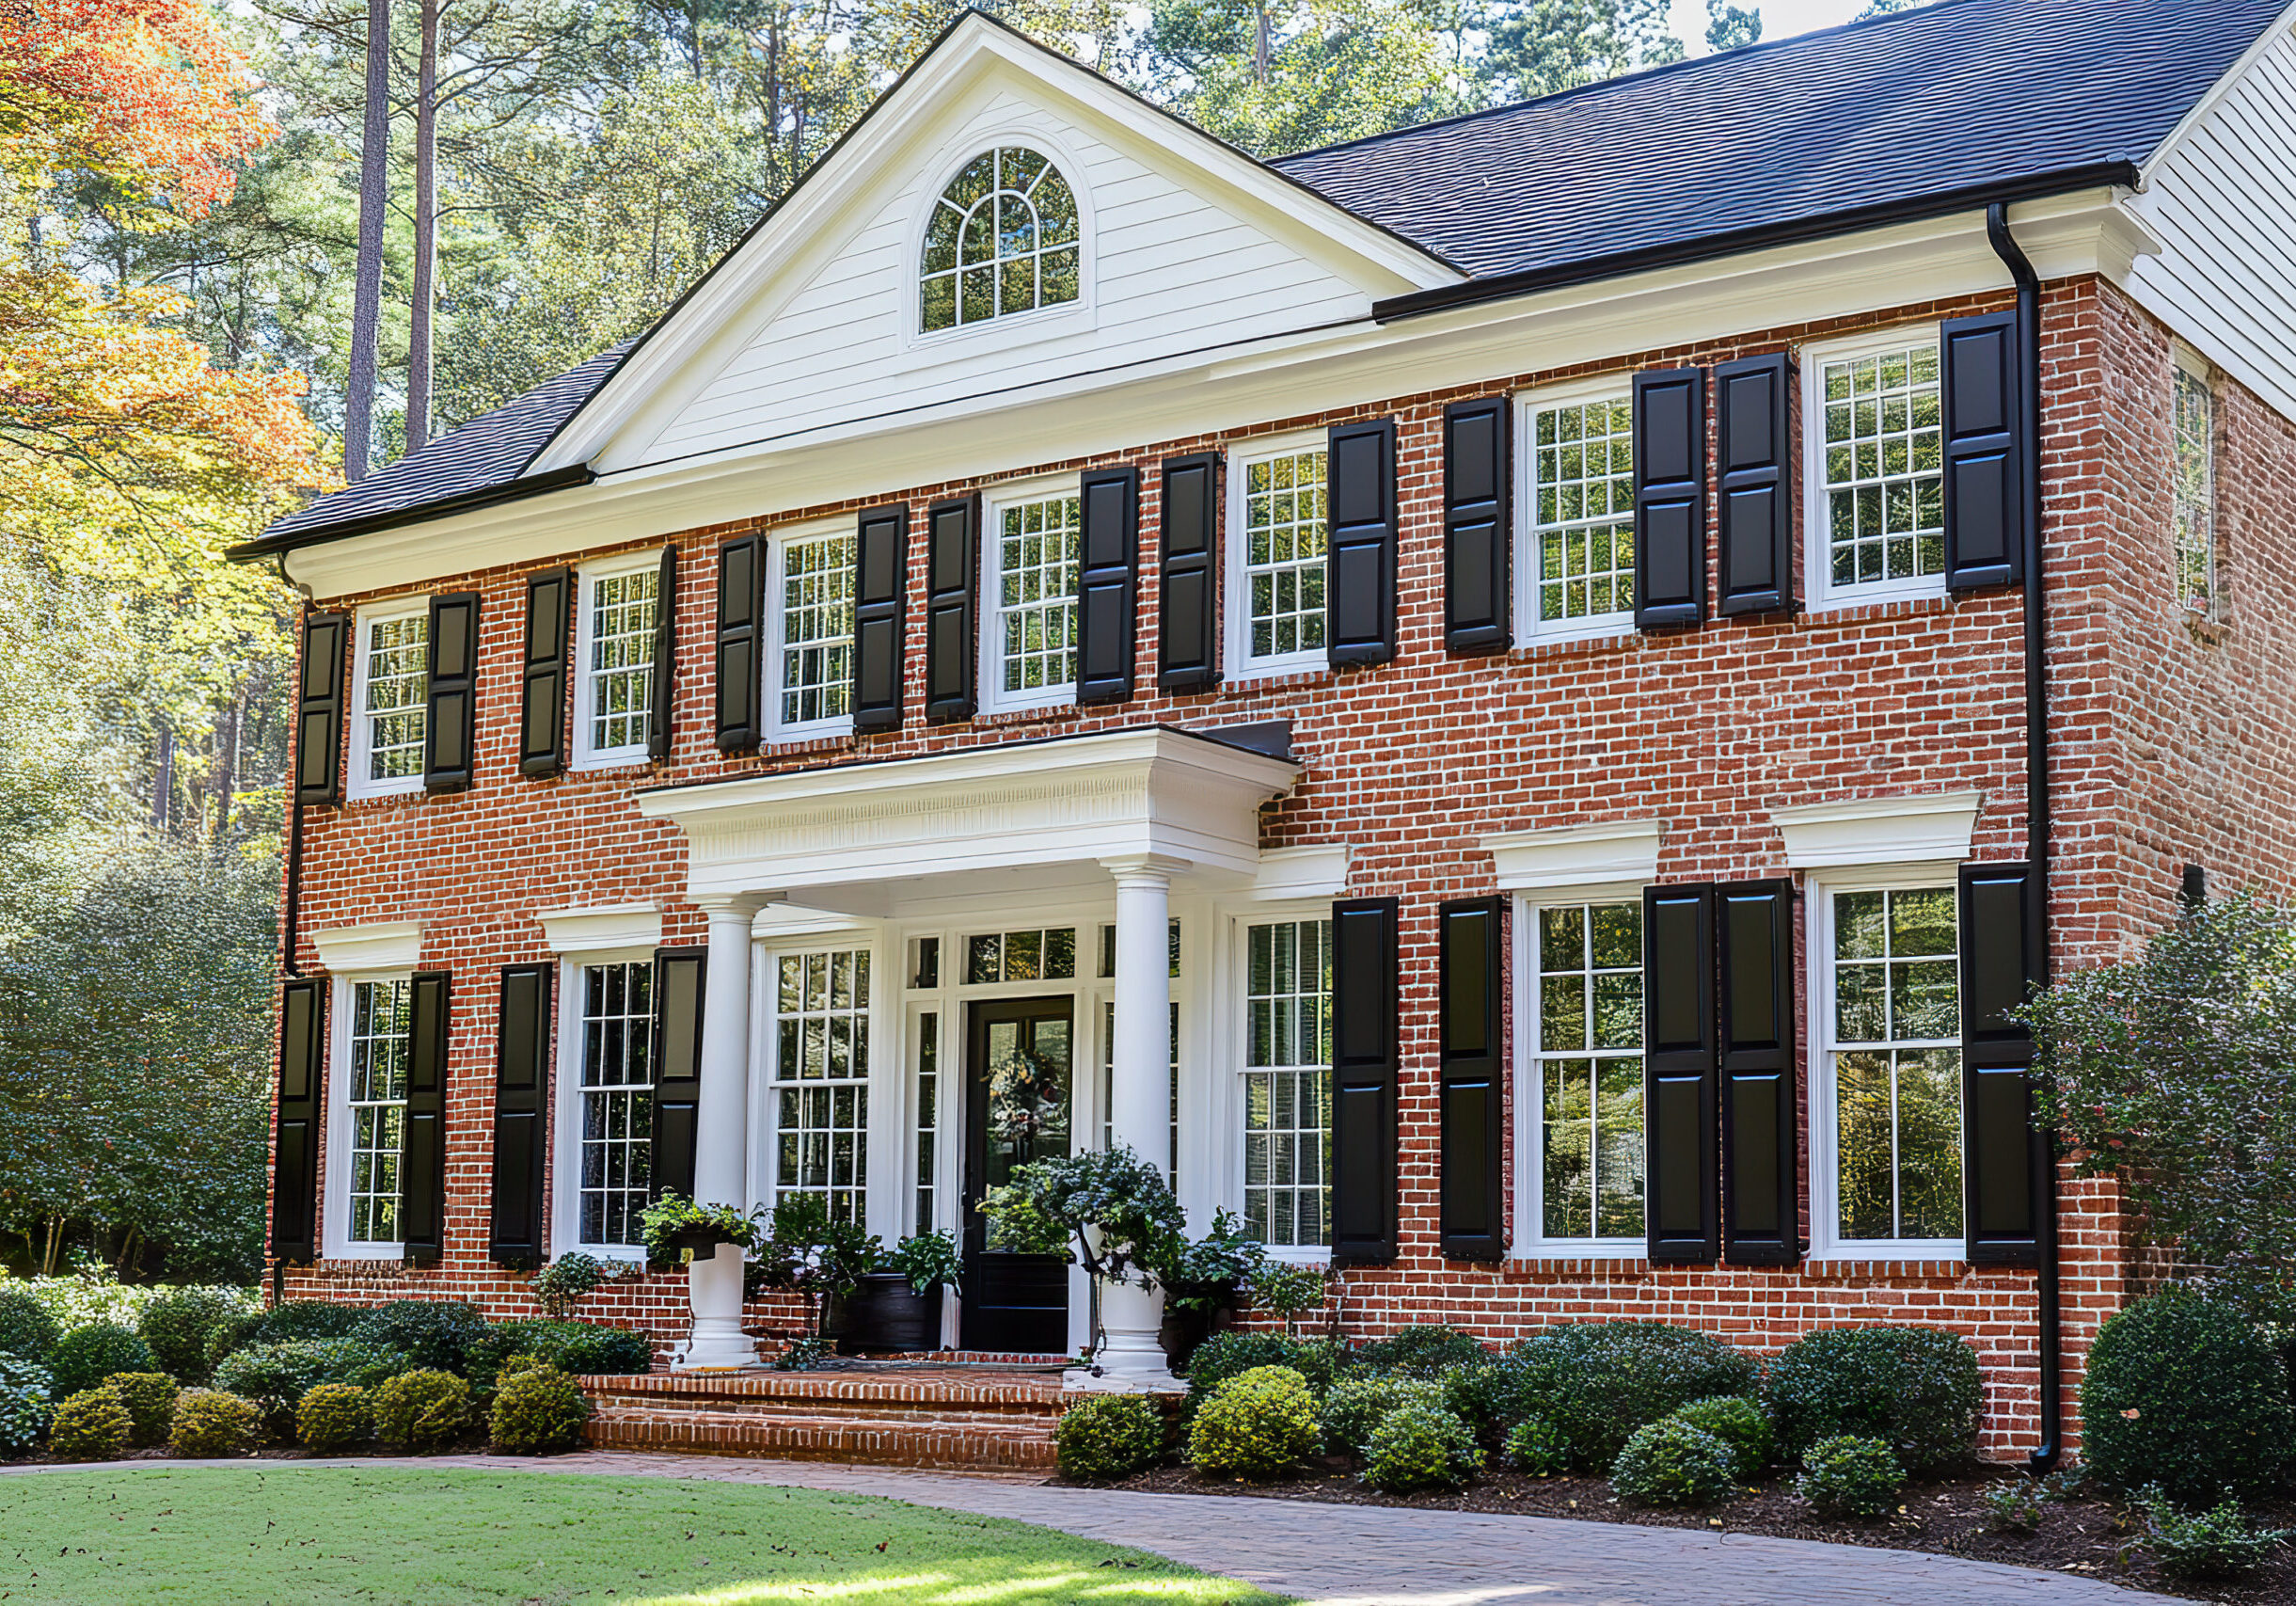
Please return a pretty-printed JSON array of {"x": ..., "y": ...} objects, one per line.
[
  {"x": 385, "y": 945},
  {"x": 603, "y": 929},
  {"x": 1934, "y": 828},
  {"x": 1619, "y": 852}
]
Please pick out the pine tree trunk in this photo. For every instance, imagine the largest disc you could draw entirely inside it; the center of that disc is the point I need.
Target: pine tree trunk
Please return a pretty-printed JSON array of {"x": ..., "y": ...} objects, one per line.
[
  {"x": 426, "y": 232},
  {"x": 367, "y": 288}
]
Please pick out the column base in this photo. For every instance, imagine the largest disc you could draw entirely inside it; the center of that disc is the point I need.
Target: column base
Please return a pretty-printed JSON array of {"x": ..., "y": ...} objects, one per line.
[
  {"x": 1131, "y": 1360},
  {"x": 716, "y": 1341}
]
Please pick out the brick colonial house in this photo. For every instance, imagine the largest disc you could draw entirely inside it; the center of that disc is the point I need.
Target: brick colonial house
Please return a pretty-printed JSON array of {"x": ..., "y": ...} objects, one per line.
[{"x": 1510, "y": 700}]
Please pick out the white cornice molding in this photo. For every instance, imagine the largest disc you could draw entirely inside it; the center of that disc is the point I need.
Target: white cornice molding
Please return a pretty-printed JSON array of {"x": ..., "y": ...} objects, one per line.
[
  {"x": 390, "y": 945},
  {"x": 1289, "y": 873},
  {"x": 601, "y": 929},
  {"x": 1931, "y": 829},
  {"x": 1087, "y": 799},
  {"x": 1618, "y": 852}
]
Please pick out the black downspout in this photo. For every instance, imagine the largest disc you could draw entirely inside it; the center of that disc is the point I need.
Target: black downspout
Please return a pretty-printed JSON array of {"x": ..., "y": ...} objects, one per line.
[
  {"x": 289, "y": 926},
  {"x": 2045, "y": 1454}
]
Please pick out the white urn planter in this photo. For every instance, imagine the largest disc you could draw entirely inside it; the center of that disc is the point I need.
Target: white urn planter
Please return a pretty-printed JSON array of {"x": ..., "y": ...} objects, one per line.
[{"x": 713, "y": 1283}]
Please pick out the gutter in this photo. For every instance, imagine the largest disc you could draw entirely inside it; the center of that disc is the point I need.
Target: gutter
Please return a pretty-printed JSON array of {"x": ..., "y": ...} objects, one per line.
[
  {"x": 1501, "y": 287},
  {"x": 2044, "y": 1156},
  {"x": 573, "y": 475}
]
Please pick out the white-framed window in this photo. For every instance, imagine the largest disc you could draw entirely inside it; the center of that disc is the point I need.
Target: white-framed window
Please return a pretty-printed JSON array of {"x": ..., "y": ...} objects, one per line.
[
  {"x": 812, "y": 607},
  {"x": 925, "y": 1035},
  {"x": 615, "y": 1171},
  {"x": 1579, "y": 1090},
  {"x": 1873, "y": 430},
  {"x": 1287, "y": 1083},
  {"x": 2192, "y": 491},
  {"x": 821, "y": 1077},
  {"x": 1576, "y": 499},
  {"x": 1278, "y": 522},
  {"x": 1886, "y": 1085},
  {"x": 389, "y": 686},
  {"x": 1029, "y": 576},
  {"x": 369, "y": 1114},
  {"x": 613, "y": 690},
  {"x": 1005, "y": 237}
]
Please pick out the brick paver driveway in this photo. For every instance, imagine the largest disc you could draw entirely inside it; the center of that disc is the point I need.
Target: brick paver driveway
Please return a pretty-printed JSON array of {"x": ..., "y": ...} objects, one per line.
[{"x": 1360, "y": 1555}]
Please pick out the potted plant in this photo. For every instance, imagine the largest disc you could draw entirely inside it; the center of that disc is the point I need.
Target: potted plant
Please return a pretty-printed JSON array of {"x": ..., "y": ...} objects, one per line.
[
  {"x": 678, "y": 1231},
  {"x": 1204, "y": 1282},
  {"x": 1111, "y": 1206},
  {"x": 897, "y": 1306},
  {"x": 820, "y": 1259}
]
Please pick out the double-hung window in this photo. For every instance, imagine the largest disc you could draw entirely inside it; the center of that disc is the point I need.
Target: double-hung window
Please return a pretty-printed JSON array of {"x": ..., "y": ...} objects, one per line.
[
  {"x": 1278, "y": 519},
  {"x": 1287, "y": 1083},
  {"x": 811, "y": 604},
  {"x": 390, "y": 680},
  {"x": 2192, "y": 491},
  {"x": 617, "y": 1100},
  {"x": 1577, "y": 577},
  {"x": 1584, "y": 1065},
  {"x": 1875, "y": 437},
  {"x": 1030, "y": 560},
  {"x": 613, "y": 697},
  {"x": 821, "y": 1077},
  {"x": 1888, "y": 1088},
  {"x": 374, "y": 1111}
]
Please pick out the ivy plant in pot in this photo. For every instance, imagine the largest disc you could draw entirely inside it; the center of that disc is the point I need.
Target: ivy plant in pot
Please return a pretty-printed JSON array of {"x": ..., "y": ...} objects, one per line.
[
  {"x": 1113, "y": 1206},
  {"x": 897, "y": 1307},
  {"x": 1204, "y": 1282},
  {"x": 678, "y": 1231}
]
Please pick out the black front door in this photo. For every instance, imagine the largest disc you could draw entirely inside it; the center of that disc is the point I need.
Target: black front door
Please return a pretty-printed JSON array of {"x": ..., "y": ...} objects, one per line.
[{"x": 1020, "y": 1065}]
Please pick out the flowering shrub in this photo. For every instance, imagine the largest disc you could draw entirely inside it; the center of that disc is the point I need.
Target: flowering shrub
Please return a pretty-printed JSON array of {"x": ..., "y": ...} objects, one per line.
[{"x": 96, "y": 1295}]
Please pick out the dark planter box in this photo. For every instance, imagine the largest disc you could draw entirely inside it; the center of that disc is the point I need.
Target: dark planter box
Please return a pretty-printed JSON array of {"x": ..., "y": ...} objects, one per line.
[{"x": 883, "y": 1315}]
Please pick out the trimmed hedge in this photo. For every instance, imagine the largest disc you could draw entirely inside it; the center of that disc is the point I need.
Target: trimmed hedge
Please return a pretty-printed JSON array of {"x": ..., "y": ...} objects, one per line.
[
  {"x": 1851, "y": 1475},
  {"x": 1224, "y": 1356},
  {"x": 210, "y": 1424},
  {"x": 432, "y": 1334},
  {"x": 1420, "y": 1447},
  {"x": 149, "y": 1398},
  {"x": 1915, "y": 1388},
  {"x": 334, "y": 1416},
  {"x": 181, "y": 1323},
  {"x": 288, "y": 1321},
  {"x": 1674, "y": 1463},
  {"x": 277, "y": 1375},
  {"x": 27, "y": 1332},
  {"x": 1105, "y": 1437},
  {"x": 1356, "y": 1406},
  {"x": 87, "y": 1356},
  {"x": 2187, "y": 1393},
  {"x": 1427, "y": 1348},
  {"x": 1254, "y": 1426},
  {"x": 422, "y": 1411},
  {"x": 538, "y": 1409},
  {"x": 91, "y": 1425},
  {"x": 1741, "y": 1425},
  {"x": 576, "y": 1348},
  {"x": 1599, "y": 1382}
]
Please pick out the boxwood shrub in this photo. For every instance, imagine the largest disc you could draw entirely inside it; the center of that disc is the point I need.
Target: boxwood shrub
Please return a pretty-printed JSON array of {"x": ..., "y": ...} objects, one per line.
[
  {"x": 1852, "y": 1475},
  {"x": 27, "y": 1332},
  {"x": 435, "y": 1334},
  {"x": 422, "y": 1411},
  {"x": 1598, "y": 1382},
  {"x": 1256, "y": 1424},
  {"x": 180, "y": 1323},
  {"x": 538, "y": 1409},
  {"x": 1427, "y": 1348},
  {"x": 1674, "y": 1463},
  {"x": 1420, "y": 1447},
  {"x": 1741, "y": 1425},
  {"x": 286, "y": 1321},
  {"x": 1105, "y": 1437},
  {"x": 1357, "y": 1406},
  {"x": 277, "y": 1375},
  {"x": 91, "y": 1425},
  {"x": 1230, "y": 1354},
  {"x": 334, "y": 1416},
  {"x": 2185, "y": 1393},
  {"x": 1535, "y": 1446},
  {"x": 1915, "y": 1388},
  {"x": 84, "y": 1356},
  {"x": 576, "y": 1348},
  {"x": 149, "y": 1398},
  {"x": 210, "y": 1424}
]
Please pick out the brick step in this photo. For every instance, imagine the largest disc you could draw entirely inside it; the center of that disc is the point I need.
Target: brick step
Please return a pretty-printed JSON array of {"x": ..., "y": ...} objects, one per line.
[{"x": 940, "y": 1446}]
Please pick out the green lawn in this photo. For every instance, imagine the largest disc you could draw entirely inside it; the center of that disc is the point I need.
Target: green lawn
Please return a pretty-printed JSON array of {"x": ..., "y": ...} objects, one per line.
[{"x": 272, "y": 1535}]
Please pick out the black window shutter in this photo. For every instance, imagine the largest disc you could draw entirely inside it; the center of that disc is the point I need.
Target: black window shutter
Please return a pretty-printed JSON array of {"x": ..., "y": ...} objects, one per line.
[
  {"x": 741, "y": 606},
  {"x": 1187, "y": 639},
  {"x": 294, "y": 1167},
  {"x": 1979, "y": 361},
  {"x": 665, "y": 659},
  {"x": 881, "y": 581},
  {"x": 1107, "y": 607},
  {"x": 1474, "y": 1107},
  {"x": 522, "y": 1080},
  {"x": 1359, "y": 564},
  {"x": 679, "y": 978},
  {"x": 1753, "y": 448},
  {"x": 1478, "y": 525},
  {"x": 451, "y": 723},
  {"x": 951, "y": 550},
  {"x": 319, "y": 710},
  {"x": 1761, "y": 1194},
  {"x": 2006, "y": 1159},
  {"x": 422, "y": 1148},
  {"x": 1669, "y": 423},
  {"x": 542, "y": 697},
  {"x": 1681, "y": 1133},
  {"x": 1366, "y": 1062}
]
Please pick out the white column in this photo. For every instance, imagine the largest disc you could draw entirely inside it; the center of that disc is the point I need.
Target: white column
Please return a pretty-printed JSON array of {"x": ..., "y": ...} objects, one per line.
[
  {"x": 1140, "y": 1099},
  {"x": 721, "y": 1151}
]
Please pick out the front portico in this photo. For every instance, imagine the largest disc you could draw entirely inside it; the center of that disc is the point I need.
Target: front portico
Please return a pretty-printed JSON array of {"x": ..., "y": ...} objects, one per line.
[{"x": 1046, "y": 873}]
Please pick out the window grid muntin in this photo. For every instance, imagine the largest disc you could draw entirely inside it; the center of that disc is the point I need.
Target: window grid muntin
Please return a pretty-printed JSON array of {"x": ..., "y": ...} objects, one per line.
[
  {"x": 1286, "y": 534},
  {"x": 1883, "y": 463},
  {"x": 1035, "y": 586},
  {"x": 1582, "y": 510},
  {"x": 376, "y": 1101},
  {"x": 396, "y": 712},
  {"x": 622, "y": 612},
  {"x": 617, "y": 1100},
  {"x": 1587, "y": 1028},
  {"x": 1286, "y": 1084},
  {"x": 822, "y": 1074},
  {"x": 1005, "y": 237},
  {"x": 1919, "y": 986},
  {"x": 817, "y": 627},
  {"x": 2193, "y": 495}
]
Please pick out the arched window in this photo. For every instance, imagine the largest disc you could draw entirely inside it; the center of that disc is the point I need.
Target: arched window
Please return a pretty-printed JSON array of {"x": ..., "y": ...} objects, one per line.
[{"x": 1003, "y": 238}]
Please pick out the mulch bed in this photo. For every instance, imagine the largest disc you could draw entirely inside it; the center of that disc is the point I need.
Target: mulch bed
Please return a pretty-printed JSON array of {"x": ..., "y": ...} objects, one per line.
[{"x": 2090, "y": 1539}]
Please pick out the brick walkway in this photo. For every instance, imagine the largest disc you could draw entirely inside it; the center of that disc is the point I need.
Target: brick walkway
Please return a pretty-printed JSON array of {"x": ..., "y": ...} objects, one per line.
[{"x": 1357, "y": 1555}]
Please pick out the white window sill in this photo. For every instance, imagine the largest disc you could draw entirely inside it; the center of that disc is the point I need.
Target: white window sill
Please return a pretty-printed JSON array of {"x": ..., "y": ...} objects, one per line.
[
  {"x": 369, "y": 790},
  {"x": 629, "y": 1254},
  {"x": 1580, "y": 1249},
  {"x": 1596, "y": 627},
  {"x": 821, "y": 730},
  {"x": 366, "y": 1252},
  {"x": 1029, "y": 701},
  {"x": 1269, "y": 668},
  {"x": 1865, "y": 1252},
  {"x": 1928, "y": 588},
  {"x": 1314, "y": 1259},
  {"x": 620, "y": 758}
]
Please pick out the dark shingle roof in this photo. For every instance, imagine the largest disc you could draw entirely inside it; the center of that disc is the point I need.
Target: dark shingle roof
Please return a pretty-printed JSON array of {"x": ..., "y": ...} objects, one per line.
[
  {"x": 482, "y": 460},
  {"x": 1962, "y": 97}
]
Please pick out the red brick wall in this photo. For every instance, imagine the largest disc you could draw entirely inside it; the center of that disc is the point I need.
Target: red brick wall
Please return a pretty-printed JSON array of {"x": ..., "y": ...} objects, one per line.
[{"x": 1413, "y": 762}]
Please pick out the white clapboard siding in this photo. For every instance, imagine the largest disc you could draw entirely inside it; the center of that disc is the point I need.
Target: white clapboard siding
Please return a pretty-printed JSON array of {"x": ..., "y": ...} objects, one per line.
[
  {"x": 1171, "y": 273},
  {"x": 2222, "y": 204}
]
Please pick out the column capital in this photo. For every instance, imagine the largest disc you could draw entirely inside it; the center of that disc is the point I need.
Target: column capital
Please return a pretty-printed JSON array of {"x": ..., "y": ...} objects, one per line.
[
  {"x": 732, "y": 905},
  {"x": 1144, "y": 869}
]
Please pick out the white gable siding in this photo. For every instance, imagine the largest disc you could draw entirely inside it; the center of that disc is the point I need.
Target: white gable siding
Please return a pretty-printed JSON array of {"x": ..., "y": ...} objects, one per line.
[
  {"x": 1169, "y": 273},
  {"x": 2222, "y": 203}
]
